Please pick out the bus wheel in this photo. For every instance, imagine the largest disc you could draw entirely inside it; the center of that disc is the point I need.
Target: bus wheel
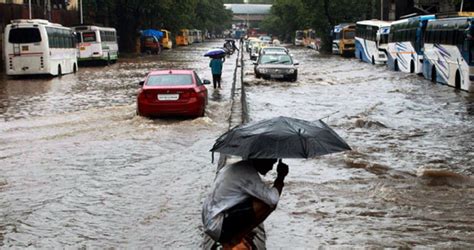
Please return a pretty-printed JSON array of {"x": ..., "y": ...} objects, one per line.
[
  {"x": 373, "y": 60},
  {"x": 396, "y": 66},
  {"x": 457, "y": 83},
  {"x": 433, "y": 74},
  {"x": 412, "y": 67},
  {"x": 74, "y": 68},
  {"x": 60, "y": 72}
]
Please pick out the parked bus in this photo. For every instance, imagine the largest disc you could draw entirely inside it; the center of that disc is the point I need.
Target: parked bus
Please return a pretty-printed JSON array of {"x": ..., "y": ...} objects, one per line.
[
  {"x": 336, "y": 37},
  {"x": 299, "y": 38},
  {"x": 166, "y": 41},
  {"x": 405, "y": 44},
  {"x": 96, "y": 43},
  {"x": 310, "y": 39},
  {"x": 343, "y": 39},
  {"x": 195, "y": 36},
  {"x": 182, "y": 39},
  {"x": 449, "y": 52},
  {"x": 369, "y": 40},
  {"x": 35, "y": 46}
]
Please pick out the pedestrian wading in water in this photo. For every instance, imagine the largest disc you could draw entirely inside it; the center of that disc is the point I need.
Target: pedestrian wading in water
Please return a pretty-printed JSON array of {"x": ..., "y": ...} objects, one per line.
[
  {"x": 216, "y": 69},
  {"x": 239, "y": 200}
]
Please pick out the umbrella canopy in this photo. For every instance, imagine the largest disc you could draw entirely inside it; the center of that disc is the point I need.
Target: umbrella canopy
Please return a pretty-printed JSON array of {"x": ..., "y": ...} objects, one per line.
[
  {"x": 280, "y": 137},
  {"x": 215, "y": 53}
]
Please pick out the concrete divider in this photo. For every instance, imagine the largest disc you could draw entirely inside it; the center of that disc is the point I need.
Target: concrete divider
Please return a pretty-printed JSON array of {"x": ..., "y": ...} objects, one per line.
[{"x": 238, "y": 115}]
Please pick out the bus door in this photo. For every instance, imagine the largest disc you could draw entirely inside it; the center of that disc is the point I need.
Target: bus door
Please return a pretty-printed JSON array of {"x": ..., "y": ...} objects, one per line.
[{"x": 469, "y": 44}]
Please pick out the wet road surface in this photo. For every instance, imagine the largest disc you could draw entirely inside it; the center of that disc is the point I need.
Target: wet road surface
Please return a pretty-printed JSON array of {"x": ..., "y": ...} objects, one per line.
[
  {"x": 408, "y": 181},
  {"x": 80, "y": 169}
]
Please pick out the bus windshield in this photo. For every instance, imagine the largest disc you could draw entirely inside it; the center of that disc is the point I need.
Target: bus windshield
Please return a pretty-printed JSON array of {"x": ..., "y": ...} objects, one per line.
[
  {"x": 24, "y": 35},
  {"x": 350, "y": 34},
  {"x": 88, "y": 37}
]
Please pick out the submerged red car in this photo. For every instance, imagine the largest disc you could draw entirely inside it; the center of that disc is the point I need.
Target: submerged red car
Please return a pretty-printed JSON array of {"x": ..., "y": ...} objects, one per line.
[{"x": 172, "y": 92}]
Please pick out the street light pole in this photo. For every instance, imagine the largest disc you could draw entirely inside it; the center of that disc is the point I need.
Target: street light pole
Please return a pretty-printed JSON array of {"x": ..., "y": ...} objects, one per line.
[
  {"x": 462, "y": 5},
  {"x": 80, "y": 11}
]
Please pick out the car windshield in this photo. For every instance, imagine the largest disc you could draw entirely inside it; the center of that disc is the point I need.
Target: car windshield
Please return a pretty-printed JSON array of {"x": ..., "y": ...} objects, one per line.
[
  {"x": 24, "y": 35},
  {"x": 299, "y": 35},
  {"x": 149, "y": 39},
  {"x": 170, "y": 80},
  {"x": 275, "y": 59},
  {"x": 88, "y": 37}
]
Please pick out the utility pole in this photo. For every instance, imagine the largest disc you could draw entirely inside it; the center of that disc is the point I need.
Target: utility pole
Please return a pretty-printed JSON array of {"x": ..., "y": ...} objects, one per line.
[
  {"x": 462, "y": 6},
  {"x": 381, "y": 10},
  {"x": 29, "y": 7}
]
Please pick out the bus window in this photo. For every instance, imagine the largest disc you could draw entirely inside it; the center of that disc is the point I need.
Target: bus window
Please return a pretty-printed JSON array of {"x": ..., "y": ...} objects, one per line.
[
  {"x": 349, "y": 35},
  {"x": 24, "y": 35},
  {"x": 88, "y": 37}
]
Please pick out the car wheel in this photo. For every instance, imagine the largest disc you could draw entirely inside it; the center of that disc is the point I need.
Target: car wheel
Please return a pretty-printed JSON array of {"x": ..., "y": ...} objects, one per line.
[
  {"x": 294, "y": 78},
  {"x": 258, "y": 76}
]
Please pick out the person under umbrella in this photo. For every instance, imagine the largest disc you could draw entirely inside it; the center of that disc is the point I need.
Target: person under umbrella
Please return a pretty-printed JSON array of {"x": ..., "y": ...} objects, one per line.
[
  {"x": 216, "y": 65},
  {"x": 240, "y": 200}
]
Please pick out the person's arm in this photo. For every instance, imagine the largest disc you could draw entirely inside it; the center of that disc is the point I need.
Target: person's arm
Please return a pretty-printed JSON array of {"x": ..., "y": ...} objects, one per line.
[{"x": 282, "y": 170}]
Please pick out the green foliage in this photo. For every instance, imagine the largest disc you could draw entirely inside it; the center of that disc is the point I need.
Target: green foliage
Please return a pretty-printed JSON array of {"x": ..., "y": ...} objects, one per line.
[
  {"x": 131, "y": 16},
  {"x": 287, "y": 16}
]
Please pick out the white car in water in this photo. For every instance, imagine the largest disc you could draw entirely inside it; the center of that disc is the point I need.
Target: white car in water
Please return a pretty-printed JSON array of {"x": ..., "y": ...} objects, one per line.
[{"x": 276, "y": 66}]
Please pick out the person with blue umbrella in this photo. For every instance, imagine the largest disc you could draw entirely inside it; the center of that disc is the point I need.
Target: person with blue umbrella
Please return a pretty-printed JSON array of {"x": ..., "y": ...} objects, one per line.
[{"x": 216, "y": 65}]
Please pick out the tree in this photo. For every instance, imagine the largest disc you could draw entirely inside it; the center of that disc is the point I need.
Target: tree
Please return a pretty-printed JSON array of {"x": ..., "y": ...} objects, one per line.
[
  {"x": 131, "y": 16},
  {"x": 287, "y": 16}
]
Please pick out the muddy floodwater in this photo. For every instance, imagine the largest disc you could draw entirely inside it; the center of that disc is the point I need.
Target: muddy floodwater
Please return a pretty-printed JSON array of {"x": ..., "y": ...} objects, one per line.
[{"x": 80, "y": 169}]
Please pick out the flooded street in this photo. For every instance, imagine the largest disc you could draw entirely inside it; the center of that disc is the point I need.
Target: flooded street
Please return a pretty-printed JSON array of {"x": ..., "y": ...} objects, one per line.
[
  {"x": 80, "y": 169},
  {"x": 408, "y": 181}
]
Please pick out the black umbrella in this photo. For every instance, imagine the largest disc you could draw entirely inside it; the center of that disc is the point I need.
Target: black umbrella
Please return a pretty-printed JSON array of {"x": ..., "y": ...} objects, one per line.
[{"x": 280, "y": 137}]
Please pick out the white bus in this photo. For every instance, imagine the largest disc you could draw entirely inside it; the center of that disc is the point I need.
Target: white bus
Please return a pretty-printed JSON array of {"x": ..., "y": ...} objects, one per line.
[
  {"x": 196, "y": 36},
  {"x": 449, "y": 52},
  {"x": 35, "y": 46},
  {"x": 96, "y": 43},
  {"x": 299, "y": 38},
  {"x": 405, "y": 46},
  {"x": 370, "y": 41},
  {"x": 336, "y": 38}
]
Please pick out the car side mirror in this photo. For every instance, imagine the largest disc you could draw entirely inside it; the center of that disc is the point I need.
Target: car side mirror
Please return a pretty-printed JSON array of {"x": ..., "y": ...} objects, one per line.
[
  {"x": 296, "y": 63},
  {"x": 141, "y": 83},
  {"x": 255, "y": 63},
  {"x": 206, "y": 82}
]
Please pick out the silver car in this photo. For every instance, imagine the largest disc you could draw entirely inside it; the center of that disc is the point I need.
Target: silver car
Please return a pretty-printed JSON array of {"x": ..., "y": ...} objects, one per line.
[{"x": 276, "y": 66}]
